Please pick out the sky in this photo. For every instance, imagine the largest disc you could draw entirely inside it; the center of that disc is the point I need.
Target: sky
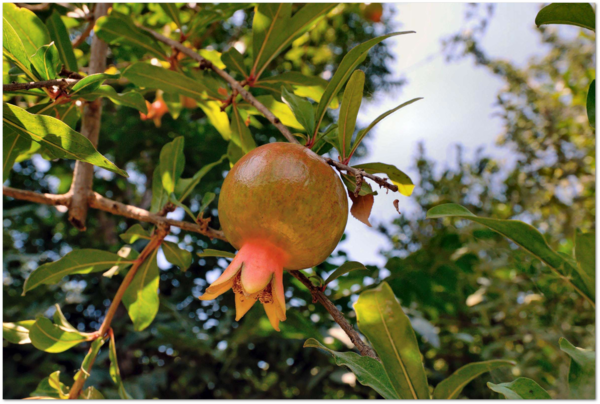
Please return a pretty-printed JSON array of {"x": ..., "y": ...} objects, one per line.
[{"x": 457, "y": 107}]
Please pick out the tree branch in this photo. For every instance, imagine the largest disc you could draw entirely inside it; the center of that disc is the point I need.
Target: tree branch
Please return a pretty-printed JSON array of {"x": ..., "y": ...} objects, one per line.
[
  {"x": 237, "y": 87},
  {"x": 97, "y": 201},
  {"x": 83, "y": 175},
  {"x": 338, "y": 317},
  {"x": 63, "y": 83},
  {"x": 86, "y": 32}
]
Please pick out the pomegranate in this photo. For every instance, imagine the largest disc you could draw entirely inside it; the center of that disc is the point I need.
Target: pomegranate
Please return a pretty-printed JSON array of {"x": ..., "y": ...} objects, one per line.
[
  {"x": 282, "y": 207},
  {"x": 373, "y": 12}
]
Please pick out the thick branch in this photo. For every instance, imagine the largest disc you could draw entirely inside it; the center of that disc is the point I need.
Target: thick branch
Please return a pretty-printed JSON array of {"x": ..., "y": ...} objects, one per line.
[
  {"x": 84, "y": 173},
  {"x": 237, "y": 87},
  {"x": 363, "y": 348},
  {"x": 97, "y": 201},
  {"x": 39, "y": 84}
]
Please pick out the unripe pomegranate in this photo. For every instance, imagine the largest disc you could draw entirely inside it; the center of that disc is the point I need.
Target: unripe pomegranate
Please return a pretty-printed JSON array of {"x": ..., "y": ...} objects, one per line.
[{"x": 282, "y": 207}]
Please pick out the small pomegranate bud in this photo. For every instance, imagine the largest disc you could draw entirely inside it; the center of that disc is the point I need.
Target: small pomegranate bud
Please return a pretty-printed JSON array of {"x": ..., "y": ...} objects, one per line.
[{"x": 283, "y": 208}]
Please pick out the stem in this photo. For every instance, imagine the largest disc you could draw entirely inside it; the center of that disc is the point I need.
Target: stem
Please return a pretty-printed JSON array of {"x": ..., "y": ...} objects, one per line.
[{"x": 39, "y": 84}]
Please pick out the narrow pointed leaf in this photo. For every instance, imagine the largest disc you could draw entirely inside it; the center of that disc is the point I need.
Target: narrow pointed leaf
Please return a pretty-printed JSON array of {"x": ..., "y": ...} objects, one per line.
[
  {"x": 61, "y": 321},
  {"x": 524, "y": 236},
  {"x": 398, "y": 178},
  {"x": 92, "y": 82},
  {"x": 51, "y": 387},
  {"x": 241, "y": 135},
  {"x": 131, "y": 99},
  {"x": 91, "y": 393},
  {"x": 585, "y": 254},
  {"x": 520, "y": 389},
  {"x": 172, "y": 162},
  {"x": 578, "y": 14},
  {"x": 49, "y": 337},
  {"x": 361, "y": 134},
  {"x": 349, "y": 111},
  {"x": 211, "y": 12},
  {"x": 17, "y": 332},
  {"x": 134, "y": 233},
  {"x": 274, "y": 29},
  {"x": 55, "y": 136},
  {"x": 217, "y": 118},
  {"x": 30, "y": 29},
  {"x": 381, "y": 319},
  {"x": 282, "y": 111},
  {"x": 591, "y": 104},
  {"x": 60, "y": 35},
  {"x": 141, "y": 297},
  {"x": 172, "y": 11},
  {"x": 88, "y": 360},
  {"x": 369, "y": 372},
  {"x": 159, "y": 194},
  {"x": 206, "y": 200},
  {"x": 350, "y": 183},
  {"x": 186, "y": 185},
  {"x": 115, "y": 373},
  {"x": 344, "y": 269},
  {"x": 234, "y": 61},
  {"x": 302, "y": 109},
  {"x": 216, "y": 253},
  {"x": 177, "y": 256},
  {"x": 76, "y": 262},
  {"x": 149, "y": 76},
  {"x": 352, "y": 59},
  {"x": 13, "y": 145},
  {"x": 303, "y": 86},
  {"x": 14, "y": 50},
  {"x": 46, "y": 61},
  {"x": 582, "y": 371},
  {"x": 450, "y": 388}
]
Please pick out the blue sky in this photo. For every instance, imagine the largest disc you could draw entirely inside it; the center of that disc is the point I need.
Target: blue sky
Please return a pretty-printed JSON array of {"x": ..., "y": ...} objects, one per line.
[{"x": 457, "y": 107}]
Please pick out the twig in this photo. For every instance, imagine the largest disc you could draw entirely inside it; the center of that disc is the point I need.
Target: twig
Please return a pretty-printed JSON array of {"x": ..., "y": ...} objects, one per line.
[
  {"x": 97, "y": 201},
  {"x": 62, "y": 83},
  {"x": 79, "y": 40},
  {"x": 83, "y": 175},
  {"x": 237, "y": 87},
  {"x": 364, "y": 349}
]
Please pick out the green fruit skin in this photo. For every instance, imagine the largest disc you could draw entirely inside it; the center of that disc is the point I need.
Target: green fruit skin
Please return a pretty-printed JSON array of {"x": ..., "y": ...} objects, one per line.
[{"x": 285, "y": 195}]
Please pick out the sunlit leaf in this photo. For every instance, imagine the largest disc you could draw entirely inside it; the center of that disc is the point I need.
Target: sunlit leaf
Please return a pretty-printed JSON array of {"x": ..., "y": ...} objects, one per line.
[
  {"x": 369, "y": 372},
  {"x": 520, "y": 389},
  {"x": 115, "y": 373},
  {"x": 578, "y": 14},
  {"x": 51, "y": 387},
  {"x": 13, "y": 145},
  {"x": 351, "y": 101},
  {"x": 141, "y": 297},
  {"x": 172, "y": 162},
  {"x": 135, "y": 233},
  {"x": 303, "y": 86},
  {"x": 582, "y": 371},
  {"x": 159, "y": 194},
  {"x": 46, "y": 61},
  {"x": 17, "y": 332},
  {"x": 217, "y": 118},
  {"x": 381, "y": 319},
  {"x": 398, "y": 178},
  {"x": 131, "y": 99},
  {"x": 451, "y": 387},
  {"x": 30, "y": 29},
  {"x": 524, "y": 236},
  {"x": 61, "y": 321},
  {"x": 92, "y": 82},
  {"x": 240, "y": 134},
  {"x": 302, "y": 109},
  {"x": 59, "y": 34},
  {"x": 186, "y": 185},
  {"x": 14, "y": 50},
  {"x": 55, "y": 136},
  {"x": 177, "y": 256},
  {"x": 49, "y": 337},
  {"x": 279, "y": 109}
]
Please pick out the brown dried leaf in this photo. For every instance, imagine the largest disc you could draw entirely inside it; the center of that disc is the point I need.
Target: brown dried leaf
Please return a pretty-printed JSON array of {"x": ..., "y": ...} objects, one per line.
[{"x": 361, "y": 207}]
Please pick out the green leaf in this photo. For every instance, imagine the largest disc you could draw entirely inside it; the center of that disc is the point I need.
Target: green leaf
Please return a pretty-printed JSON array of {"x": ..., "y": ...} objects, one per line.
[
  {"x": 274, "y": 28},
  {"x": 55, "y": 136},
  {"x": 61, "y": 321},
  {"x": 350, "y": 183},
  {"x": 361, "y": 134},
  {"x": 349, "y": 111},
  {"x": 241, "y": 134},
  {"x": 326, "y": 141},
  {"x": 172, "y": 162},
  {"x": 30, "y": 29},
  {"x": 92, "y": 82},
  {"x": 216, "y": 253},
  {"x": 450, "y": 388},
  {"x": 13, "y": 145},
  {"x": 398, "y": 178},
  {"x": 131, "y": 99},
  {"x": 59, "y": 34},
  {"x": 148, "y": 76},
  {"x": 302, "y": 109},
  {"x": 344, "y": 269},
  {"x": 217, "y": 118},
  {"x": 127, "y": 253},
  {"x": 51, "y": 387},
  {"x": 381, "y": 319},
  {"x": 352, "y": 59},
  {"x": 186, "y": 185},
  {"x": 524, "y": 236},
  {"x": 135, "y": 233},
  {"x": 591, "y": 104},
  {"x": 159, "y": 194},
  {"x": 234, "y": 61},
  {"x": 115, "y": 373},
  {"x": 520, "y": 389},
  {"x": 49, "y": 337},
  {"x": 17, "y": 332},
  {"x": 88, "y": 361},
  {"x": 172, "y": 11},
  {"x": 578, "y": 14},
  {"x": 585, "y": 254},
  {"x": 14, "y": 50},
  {"x": 118, "y": 28},
  {"x": 177, "y": 256},
  {"x": 210, "y": 13},
  {"x": 279, "y": 109},
  {"x": 303, "y": 86},
  {"x": 206, "y": 200},
  {"x": 369, "y": 372},
  {"x": 141, "y": 297},
  {"x": 45, "y": 61},
  {"x": 91, "y": 393},
  {"x": 83, "y": 261},
  {"x": 582, "y": 371}
]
